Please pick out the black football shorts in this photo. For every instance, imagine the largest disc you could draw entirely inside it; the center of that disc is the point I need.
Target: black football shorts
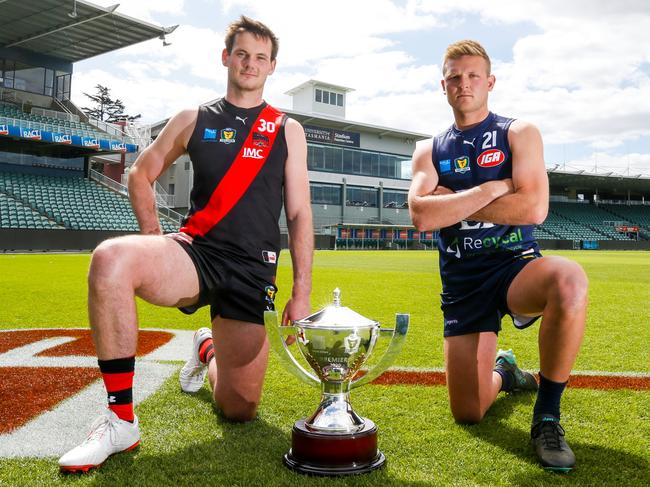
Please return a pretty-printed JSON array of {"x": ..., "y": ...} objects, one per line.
[
  {"x": 481, "y": 304},
  {"x": 232, "y": 289}
]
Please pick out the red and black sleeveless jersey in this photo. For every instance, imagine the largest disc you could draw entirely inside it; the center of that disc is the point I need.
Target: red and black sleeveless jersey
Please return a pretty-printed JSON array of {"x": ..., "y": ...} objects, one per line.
[{"x": 246, "y": 226}]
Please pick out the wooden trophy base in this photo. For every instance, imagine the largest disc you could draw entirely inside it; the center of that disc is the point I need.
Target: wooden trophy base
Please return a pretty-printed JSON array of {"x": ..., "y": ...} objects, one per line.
[{"x": 333, "y": 454}]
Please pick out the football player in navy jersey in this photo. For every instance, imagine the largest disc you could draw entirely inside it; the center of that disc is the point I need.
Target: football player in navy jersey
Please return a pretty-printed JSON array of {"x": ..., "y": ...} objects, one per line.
[
  {"x": 483, "y": 183},
  {"x": 249, "y": 159}
]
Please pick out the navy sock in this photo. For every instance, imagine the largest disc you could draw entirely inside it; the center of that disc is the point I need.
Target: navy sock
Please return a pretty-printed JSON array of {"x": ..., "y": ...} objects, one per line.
[
  {"x": 548, "y": 397},
  {"x": 507, "y": 379}
]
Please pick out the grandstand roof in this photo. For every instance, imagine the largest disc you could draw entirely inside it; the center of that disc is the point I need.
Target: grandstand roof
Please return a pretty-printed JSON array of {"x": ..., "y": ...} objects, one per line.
[
  {"x": 598, "y": 182},
  {"x": 71, "y": 30}
]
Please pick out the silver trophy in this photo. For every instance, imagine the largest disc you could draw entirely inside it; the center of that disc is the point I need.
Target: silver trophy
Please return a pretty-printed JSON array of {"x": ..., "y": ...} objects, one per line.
[{"x": 336, "y": 342}]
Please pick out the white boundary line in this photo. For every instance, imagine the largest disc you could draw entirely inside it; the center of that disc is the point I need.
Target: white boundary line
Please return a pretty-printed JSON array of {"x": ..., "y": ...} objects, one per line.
[{"x": 56, "y": 431}]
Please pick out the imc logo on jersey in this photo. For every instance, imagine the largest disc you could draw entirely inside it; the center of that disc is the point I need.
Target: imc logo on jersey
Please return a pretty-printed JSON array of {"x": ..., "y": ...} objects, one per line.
[
  {"x": 227, "y": 136},
  {"x": 445, "y": 166},
  {"x": 491, "y": 158},
  {"x": 461, "y": 164},
  {"x": 210, "y": 134},
  {"x": 250, "y": 153},
  {"x": 32, "y": 134},
  {"x": 4, "y": 130}
]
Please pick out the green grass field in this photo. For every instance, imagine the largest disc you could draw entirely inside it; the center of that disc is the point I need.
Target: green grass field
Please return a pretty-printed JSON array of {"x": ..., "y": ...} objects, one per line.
[{"x": 185, "y": 443}]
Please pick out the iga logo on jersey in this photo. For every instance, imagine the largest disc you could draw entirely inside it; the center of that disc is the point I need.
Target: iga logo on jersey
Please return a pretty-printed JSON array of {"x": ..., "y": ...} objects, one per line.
[{"x": 491, "y": 158}]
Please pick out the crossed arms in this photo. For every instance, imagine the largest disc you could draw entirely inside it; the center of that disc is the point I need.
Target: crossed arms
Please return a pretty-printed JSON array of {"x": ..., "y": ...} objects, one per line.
[{"x": 522, "y": 200}]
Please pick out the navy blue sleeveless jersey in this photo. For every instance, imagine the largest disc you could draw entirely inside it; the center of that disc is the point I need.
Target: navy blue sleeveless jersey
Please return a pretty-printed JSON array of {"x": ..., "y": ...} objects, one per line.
[
  {"x": 250, "y": 232},
  {"x": 464, "y": 159}
]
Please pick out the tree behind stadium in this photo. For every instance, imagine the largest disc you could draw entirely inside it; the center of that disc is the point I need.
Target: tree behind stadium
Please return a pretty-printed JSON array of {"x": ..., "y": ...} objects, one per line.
[{"x": 106, "y": 109}]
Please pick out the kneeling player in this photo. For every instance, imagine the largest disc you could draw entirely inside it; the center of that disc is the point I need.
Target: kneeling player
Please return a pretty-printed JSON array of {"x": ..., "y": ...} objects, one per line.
[{"x": 483, "y": 183}]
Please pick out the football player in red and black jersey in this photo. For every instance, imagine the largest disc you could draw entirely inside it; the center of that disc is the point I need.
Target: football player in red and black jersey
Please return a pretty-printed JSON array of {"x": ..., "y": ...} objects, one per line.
[{"x": 248, "y": 159}]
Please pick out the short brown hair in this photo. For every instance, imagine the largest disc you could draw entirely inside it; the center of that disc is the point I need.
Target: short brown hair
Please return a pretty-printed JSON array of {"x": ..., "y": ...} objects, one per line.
[
  {"x": 465, "y": 48},
  {"x": 258, "y": 29}
]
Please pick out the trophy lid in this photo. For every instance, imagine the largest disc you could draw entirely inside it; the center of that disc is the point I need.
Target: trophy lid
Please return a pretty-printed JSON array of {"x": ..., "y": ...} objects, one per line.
[{"x": 336, "y": 316}]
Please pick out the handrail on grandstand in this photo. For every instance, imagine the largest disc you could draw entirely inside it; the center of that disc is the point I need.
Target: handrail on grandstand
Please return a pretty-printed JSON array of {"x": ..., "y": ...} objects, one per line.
[{"x": 122, "y": 189}]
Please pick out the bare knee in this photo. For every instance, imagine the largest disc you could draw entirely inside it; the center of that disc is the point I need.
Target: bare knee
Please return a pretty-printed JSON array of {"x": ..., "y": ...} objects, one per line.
[
  {"x": 570, "y": 290},
  {"x": 108, "y": 265},
  {"x": 240, "y": 411},
  {"x": 467, "y": 414}
]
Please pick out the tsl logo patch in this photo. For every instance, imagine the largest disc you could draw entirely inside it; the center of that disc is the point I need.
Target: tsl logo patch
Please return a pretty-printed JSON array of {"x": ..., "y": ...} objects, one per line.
[
  {"x": 228, "y": 136},
  {"x": 461, "y": 164},
  {"x": 491, "y": 158}
]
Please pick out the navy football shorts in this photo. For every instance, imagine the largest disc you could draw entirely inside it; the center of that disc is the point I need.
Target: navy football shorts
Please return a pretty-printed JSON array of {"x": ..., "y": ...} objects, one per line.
[
  {"x": 232, "y": 289},
  {"x": 480, "y": 305}
]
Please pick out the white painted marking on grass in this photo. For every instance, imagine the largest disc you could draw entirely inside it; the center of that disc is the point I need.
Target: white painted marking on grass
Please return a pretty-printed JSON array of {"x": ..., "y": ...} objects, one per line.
[
  {"x": 178, "y": 348},
  {"x": 57, "y": 431},
  {"x": 26, "y": 356}
]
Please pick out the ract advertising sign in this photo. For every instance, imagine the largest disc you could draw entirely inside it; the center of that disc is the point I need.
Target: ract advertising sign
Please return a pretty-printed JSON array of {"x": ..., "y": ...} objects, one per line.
[
  {"x": 90, "y": 142},
  {"x": 62, "y": 139},
  {"x": 31, "y": 134},
  {"x": 118, "y": 146}
]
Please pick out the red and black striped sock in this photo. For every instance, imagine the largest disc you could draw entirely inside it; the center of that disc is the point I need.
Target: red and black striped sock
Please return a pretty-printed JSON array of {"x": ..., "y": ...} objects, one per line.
[
  {"x": 206, "y": 351},
  {"x": 118, "y": 379}
]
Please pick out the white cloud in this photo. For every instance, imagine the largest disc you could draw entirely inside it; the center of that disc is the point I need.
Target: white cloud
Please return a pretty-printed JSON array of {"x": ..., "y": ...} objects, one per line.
[
  {"x": 630, "y": 164},
  {"x": 146, "y": 9},
  {"x": 582, "y": 76}
]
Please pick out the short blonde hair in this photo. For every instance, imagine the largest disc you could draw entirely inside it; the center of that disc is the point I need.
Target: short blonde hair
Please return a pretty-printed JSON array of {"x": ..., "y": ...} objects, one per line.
[{"x": 465, "y": 48}]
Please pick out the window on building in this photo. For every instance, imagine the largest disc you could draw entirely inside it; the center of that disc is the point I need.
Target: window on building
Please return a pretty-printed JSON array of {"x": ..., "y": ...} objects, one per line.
[
  {"x": 395, "y": 199},
  {"x": 29, "y": 78},
  {"x": 49, "y": 82},
  {"x": 357, "y": 196},
  {"x": 325, "y": 194},
  {"x": 329, "y": 97},
  {"x": 187, "y": 165},
  {"x": 8, "y": 73},
  {"x": 172, "y": 188},
  {"x": 355, "y": 161}
]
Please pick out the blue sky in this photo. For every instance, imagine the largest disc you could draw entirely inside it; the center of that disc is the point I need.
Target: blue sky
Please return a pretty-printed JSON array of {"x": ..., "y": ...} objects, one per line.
[{"x": 579, "y": 70}]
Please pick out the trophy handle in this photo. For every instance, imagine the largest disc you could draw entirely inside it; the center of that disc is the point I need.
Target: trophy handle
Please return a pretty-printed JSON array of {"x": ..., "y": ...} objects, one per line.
[
  {"x": 398, "y": 336},
  {"x": 275, "y": 332}
]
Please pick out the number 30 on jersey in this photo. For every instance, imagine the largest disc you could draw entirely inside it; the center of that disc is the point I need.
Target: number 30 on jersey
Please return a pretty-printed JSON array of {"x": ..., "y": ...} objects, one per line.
[{"x": 266, "y": 126}]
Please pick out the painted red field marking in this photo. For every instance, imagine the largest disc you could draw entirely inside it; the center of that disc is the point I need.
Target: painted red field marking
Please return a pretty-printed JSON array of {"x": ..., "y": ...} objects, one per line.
[
  {"x": 437, "y": 378},
  {"x": 26, "y": 392}
]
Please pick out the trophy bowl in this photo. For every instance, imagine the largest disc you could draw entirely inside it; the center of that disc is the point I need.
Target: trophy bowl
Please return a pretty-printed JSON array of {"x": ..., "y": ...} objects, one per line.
[{"x": 336, "y": 343}]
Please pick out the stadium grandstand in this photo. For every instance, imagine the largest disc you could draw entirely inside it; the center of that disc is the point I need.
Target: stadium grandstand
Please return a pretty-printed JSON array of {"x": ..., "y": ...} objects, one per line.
[
  {"x": 360, "y": 173},
  {"x": 47, "y": 144},
  {"x": 51, "y": 198}
]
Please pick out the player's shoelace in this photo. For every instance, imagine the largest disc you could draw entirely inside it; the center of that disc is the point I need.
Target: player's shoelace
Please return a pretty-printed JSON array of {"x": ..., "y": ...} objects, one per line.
[
  {"x": 551, "y": 432},
  {"x": 99, "y": 428}
]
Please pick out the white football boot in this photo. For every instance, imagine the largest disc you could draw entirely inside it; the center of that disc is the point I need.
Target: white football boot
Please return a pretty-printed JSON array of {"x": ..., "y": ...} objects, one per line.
[
  {"x": 194, "y": 371},
  {"x": 108, "y": 435}
]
